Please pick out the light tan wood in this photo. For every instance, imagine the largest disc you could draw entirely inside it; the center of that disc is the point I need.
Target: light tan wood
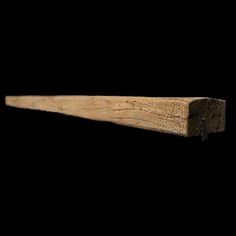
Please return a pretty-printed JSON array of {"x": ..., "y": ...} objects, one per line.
[{"x": 181, "y": 116}]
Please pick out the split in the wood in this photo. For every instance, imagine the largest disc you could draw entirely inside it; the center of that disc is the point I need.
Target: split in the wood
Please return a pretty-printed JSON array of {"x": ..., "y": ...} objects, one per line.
[{"x": 186, "y": 116}]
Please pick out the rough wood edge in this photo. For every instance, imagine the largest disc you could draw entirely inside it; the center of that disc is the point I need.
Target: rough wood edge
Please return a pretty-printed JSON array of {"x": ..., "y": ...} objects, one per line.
[{"x": 208, "y": 114}]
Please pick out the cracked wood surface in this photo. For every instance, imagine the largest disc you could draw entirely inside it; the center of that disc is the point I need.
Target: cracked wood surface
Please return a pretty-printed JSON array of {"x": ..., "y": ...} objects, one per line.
[{"x": 181, "y": 116}]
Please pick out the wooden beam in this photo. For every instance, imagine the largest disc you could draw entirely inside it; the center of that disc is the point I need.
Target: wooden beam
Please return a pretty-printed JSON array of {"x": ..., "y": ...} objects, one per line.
[{"x": 187, "y": 116}]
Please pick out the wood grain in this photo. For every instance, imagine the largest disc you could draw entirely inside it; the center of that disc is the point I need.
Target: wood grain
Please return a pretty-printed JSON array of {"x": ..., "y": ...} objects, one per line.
[{"x": 181, "y": 116}]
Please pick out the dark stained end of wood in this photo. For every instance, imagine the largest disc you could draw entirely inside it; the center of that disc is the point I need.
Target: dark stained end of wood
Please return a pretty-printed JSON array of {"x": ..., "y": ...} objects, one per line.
[{"x": 207, "y": 112}]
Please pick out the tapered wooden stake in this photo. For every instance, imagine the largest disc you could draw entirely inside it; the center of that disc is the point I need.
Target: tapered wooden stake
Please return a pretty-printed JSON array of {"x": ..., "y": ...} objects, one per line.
[{"x": 182, "y": 116}]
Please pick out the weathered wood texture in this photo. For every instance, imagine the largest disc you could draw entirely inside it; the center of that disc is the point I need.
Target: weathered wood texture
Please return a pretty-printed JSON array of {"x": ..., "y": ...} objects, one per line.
[{"x": 181, "y": 116}]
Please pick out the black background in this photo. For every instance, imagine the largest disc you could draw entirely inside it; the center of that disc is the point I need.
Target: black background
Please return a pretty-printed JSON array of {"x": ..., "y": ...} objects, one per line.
[{"x": 130, "y": 54}]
